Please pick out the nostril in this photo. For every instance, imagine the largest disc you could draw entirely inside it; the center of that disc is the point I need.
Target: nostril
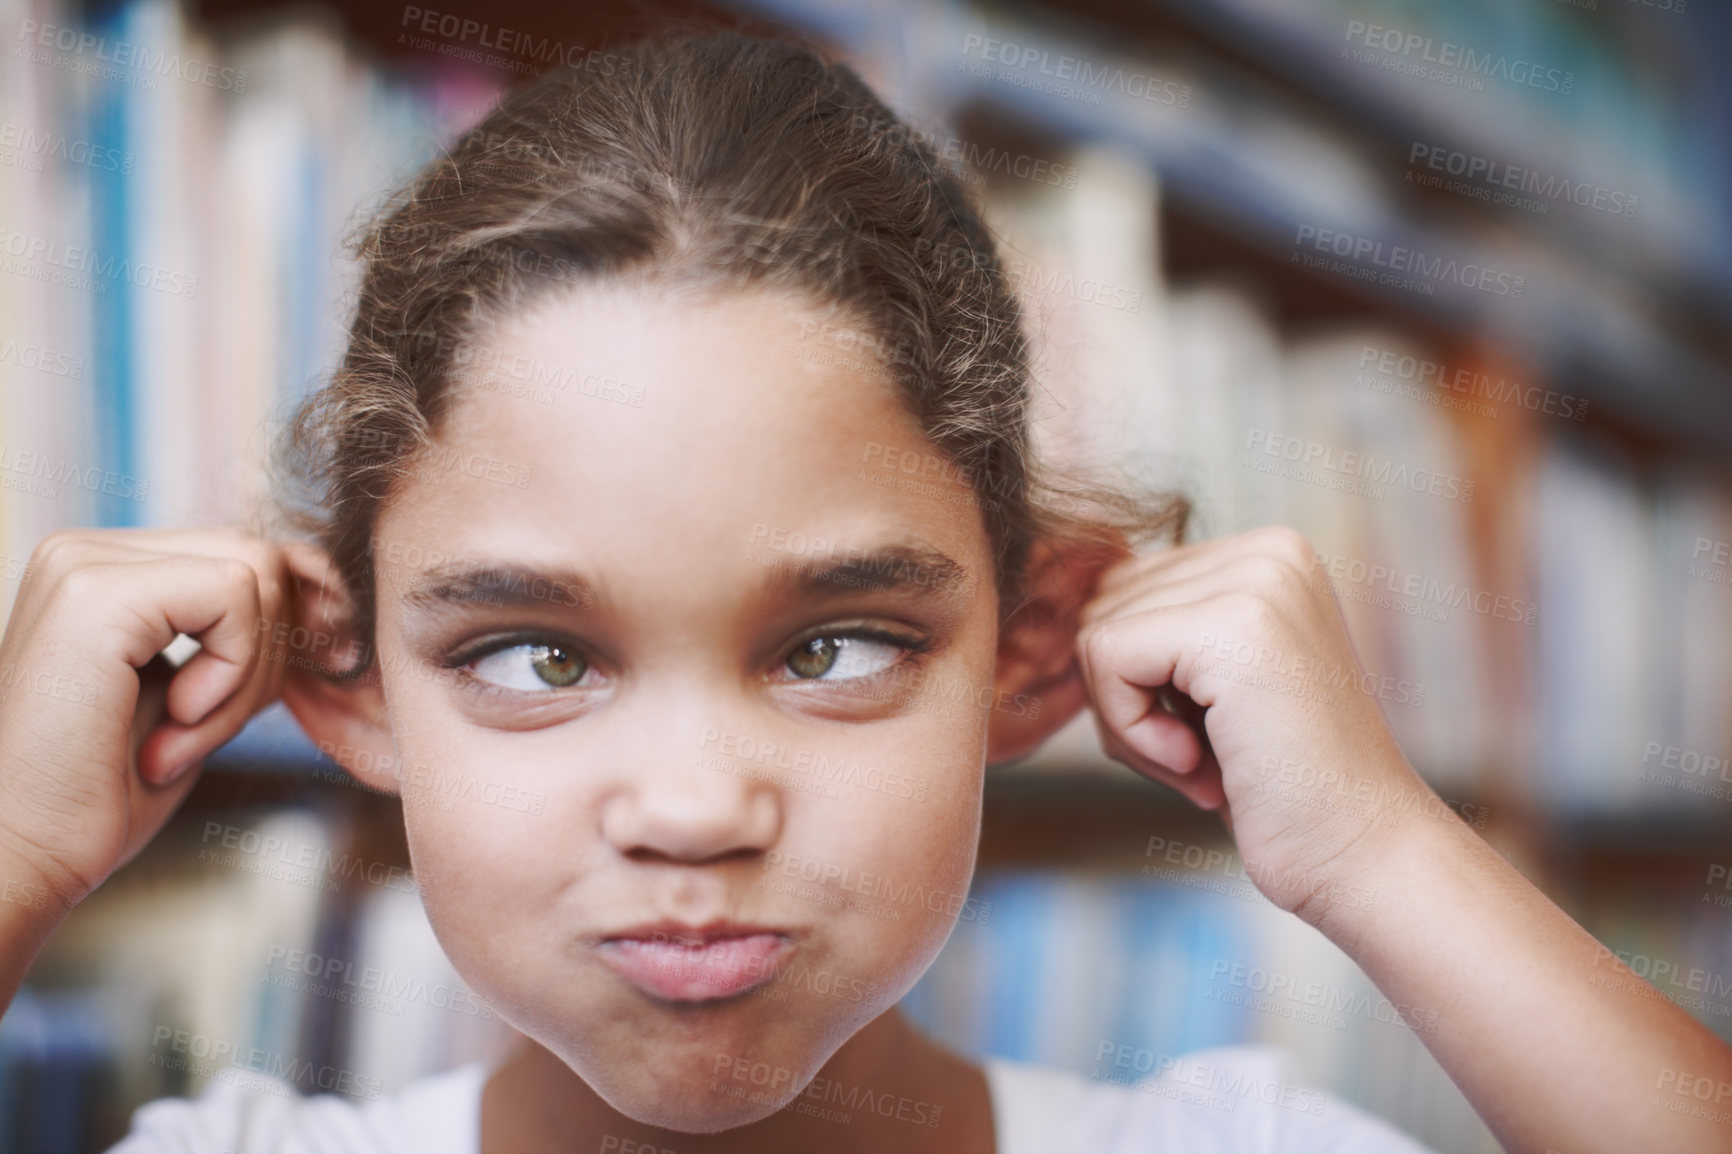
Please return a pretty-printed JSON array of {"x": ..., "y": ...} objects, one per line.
[
  {"x": 668, "y": 816},
  {"x": 650, "y": 855}
]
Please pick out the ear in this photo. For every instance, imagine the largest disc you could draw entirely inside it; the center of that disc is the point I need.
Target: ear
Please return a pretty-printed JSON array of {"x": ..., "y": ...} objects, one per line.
[
  {"x": 332, "y": 683},
  {"x": 1037, "y": 665}
]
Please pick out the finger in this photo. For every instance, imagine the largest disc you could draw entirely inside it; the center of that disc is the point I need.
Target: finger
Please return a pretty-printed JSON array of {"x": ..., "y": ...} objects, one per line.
[
  {"x": 216, "y": 602},
  {"x": 1164, "y": 740},
  {"x": 74, "y": 550},
  {"x": 212, "y": 590},
  {"x": 1202, "y": 786},
  {"x": 1244, "y": 573},
  {"x": 152, "y": 708},
  {"x": 1133, "y": 568},
  {"x": 1124, "y": 582},
  {"x": 151, "y": 803},
  {"x": 217, "y": 541},
  {"x": 171, "y": 749},
  {"x": 1122, "y": 671},
  {"x": 1189, "y": 712},
  {"x": 209, "y": 678},
  {"x": 1127, "y": 663},
  {"x": 1103, "y": 658},
  {"x": 176, "y": 742},
  {"x": 1201, "y": 569},
  {"x": 1129, "y": 655},
  {"x": 1181, "y": 558}
]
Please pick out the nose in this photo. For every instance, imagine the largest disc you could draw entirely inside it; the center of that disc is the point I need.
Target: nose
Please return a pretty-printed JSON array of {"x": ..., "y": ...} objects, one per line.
[{"x": 691, "y": 804}]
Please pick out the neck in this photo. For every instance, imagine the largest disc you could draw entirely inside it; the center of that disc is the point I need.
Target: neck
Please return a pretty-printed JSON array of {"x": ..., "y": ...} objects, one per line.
[{"x": 888, "y": 1081}]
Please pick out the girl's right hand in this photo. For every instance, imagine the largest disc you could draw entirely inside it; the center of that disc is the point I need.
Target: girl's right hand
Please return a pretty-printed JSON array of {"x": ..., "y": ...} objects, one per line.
[{"x": 90, "y": 766}]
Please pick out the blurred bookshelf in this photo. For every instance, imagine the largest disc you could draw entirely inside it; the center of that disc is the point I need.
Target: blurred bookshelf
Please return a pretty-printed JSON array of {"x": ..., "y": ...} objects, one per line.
[
  {"x": 1280, "y": 132},
  {"x": 1175, "y": 164}
]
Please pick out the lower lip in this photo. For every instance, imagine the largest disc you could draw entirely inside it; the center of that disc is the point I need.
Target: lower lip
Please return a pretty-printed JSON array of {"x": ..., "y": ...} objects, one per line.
[{"x": 671, "y": 972}]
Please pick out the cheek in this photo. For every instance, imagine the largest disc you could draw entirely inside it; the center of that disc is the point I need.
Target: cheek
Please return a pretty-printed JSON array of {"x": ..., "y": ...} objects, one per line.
[
  {"x": 484, "y": 852},
  {"x": 887, "y": 869}
]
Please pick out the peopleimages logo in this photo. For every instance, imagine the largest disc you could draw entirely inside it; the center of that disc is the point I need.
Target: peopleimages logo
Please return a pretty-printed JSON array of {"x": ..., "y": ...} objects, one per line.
[
  {"x": 1367, "y": 258},
  {"x": 38, "y": 474},
  {"x": 1360, "y": 472},
  {"x": 1228, "y": 1086},
  {"x": 1711, "y": 561},
  {"x": 79, "y": 262},
  {"x": 1462, "y": 388},
  {"x": 1541, "y": 187},
  {"x": 341, "y": 979},
  {"x": 878, "y": 886},
  {"x": 969, "y": 161},
  {"x": 125, "y": 54},
  {"x": 222, "y": 1059},
  {"x": 842, "y": 770},
  {"x": 500, "y": 47},
  {"x": 42, "y": 359},
  {"x": 1388, "y": 587},
  {"x": 1065, "y": 70},
  {"x": 1281, "y": 993},
  {"x": 59, "y": 146},
  {"x": 1416, "y": 50}
]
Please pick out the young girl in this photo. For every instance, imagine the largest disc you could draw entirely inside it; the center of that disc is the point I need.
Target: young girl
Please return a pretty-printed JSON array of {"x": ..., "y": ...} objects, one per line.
[{"x": 703, "y": 549}]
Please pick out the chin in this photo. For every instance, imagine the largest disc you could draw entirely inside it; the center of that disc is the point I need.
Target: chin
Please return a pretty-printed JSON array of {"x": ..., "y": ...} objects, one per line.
[
  {"x": 703, "y": 1068},
  {"x": 702, "y": 1088},
  {"x": 707, "y": 1108}
]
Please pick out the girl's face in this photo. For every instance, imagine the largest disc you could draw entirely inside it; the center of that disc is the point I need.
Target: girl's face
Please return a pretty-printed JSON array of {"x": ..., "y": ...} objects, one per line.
[{"x": 685, "y": 677}]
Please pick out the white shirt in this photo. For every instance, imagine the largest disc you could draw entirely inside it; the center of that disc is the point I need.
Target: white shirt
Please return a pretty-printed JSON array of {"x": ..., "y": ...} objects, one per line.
[{"x": 1231, "y": 1100}]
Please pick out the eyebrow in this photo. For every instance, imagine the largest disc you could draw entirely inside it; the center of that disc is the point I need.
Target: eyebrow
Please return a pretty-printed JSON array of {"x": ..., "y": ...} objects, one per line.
[
  {"x": 452, "y": 584},
  {"x": 900, "y": 567}
]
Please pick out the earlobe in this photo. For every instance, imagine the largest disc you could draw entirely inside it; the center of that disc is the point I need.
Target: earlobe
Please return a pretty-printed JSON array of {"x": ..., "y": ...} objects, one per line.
[
  {"x": 1036, "y": 711},
  {"x": 345, "y": 716},
  {"x": 1037, "y": 666},
  {"x": 348, "y": 723}
]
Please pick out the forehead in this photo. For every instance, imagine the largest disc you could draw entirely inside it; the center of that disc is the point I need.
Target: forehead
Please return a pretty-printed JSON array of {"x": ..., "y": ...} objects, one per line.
[{"x": 675, "y": 427}]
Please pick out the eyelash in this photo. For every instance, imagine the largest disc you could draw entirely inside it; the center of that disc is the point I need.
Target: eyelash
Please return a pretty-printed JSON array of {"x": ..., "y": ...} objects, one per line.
[
  {"x": 460, "y": 661},
  {"x": 912, "y": 647}
]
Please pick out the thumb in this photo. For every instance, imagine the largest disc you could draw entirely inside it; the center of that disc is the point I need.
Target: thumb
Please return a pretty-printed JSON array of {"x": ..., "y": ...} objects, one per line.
[{"x": 1129, "y": 667}]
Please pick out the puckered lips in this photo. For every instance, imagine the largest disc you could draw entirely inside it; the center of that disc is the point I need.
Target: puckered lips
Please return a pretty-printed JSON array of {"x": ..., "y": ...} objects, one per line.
[{"x": 677, "y": 962}]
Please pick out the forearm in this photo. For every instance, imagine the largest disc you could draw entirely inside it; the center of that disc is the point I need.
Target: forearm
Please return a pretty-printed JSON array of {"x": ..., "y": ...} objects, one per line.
[
  {"x": 29, "y": 914},
  {"x": 1557, "y": 1046}
]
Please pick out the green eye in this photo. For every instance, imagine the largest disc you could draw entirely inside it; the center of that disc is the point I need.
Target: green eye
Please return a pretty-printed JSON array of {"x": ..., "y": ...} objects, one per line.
[
  {"x": 815, "y": 657},
  {"x": 557, "y": 666},
  {"x": 532, "y": 667},
  {"x": 853, "y": 657}
]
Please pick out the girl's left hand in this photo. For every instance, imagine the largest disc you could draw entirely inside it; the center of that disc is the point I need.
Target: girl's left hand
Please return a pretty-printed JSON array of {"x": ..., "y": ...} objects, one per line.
[{"x": 1224, "y": 670}]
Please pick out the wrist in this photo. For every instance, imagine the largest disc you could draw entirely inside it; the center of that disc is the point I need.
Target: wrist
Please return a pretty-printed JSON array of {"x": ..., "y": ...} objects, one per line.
[
  {"x": 30, "y": 912},
  {"x": 1384, "y": 869},
  {"x": 32, "y": 902}
]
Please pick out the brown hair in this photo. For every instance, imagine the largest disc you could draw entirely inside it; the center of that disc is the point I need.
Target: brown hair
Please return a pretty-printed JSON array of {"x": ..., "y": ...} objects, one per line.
[{"x": 717, "y": 159}]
